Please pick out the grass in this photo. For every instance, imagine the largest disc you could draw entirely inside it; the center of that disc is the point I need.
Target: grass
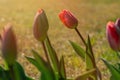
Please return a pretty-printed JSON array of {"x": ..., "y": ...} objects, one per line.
[{"x": 92, "y": 15}]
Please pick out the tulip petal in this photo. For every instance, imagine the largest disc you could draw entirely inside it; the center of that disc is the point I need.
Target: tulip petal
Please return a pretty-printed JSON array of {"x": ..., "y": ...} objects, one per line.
[
  {"x": 113, "y": 36},
  {"x": 40, "y": 26},
  {"x": 68, "y": 19},
  {"x": 9, "y": 46}
]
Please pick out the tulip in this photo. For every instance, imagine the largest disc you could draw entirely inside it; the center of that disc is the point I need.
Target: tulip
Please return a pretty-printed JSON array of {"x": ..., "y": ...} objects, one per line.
[
  {"x": 113, "y": 36},
  {"x": 40, "y": 26},
  {"x": 117, "y": 25},
  {"x": 68, "y": 19},
  {"x": 9, "y": 46}
]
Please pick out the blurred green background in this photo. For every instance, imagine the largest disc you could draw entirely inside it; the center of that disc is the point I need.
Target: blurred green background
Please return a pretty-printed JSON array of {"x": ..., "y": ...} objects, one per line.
[{"x": 93, "y": 16}]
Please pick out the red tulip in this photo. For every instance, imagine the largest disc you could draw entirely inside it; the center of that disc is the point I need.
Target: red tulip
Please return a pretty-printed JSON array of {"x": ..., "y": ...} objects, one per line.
[
  {"x": 117, "y": 25},
  {"x": 40, "y": 26},
  {"x": 68, "y": 19},
  {"x": 9, "y": 46},
  {"x": 113, "y": 36}
]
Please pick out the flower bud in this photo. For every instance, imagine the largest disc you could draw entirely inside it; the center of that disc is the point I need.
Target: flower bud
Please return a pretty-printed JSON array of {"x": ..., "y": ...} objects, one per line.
[
  {"x": 9, "y": 46},
  {"x": 113, "y": 36},
  {"x": 117, "y": 25},
  {"x": 68, "y": 19},
  {"x": 40, "y": 26}
]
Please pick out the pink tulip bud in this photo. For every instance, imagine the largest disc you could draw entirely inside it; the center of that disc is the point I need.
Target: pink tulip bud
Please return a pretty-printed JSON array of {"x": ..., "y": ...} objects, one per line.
[
  {"x": 68, "y": 19},
  {"x": 9, "y": 46},
  {"x": 113, "y": 36},
  {"x": 40, "y": 26}
]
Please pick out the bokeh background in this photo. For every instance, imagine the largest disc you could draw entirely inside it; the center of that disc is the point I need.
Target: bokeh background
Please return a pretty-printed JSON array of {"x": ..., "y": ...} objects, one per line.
[{"x": 93, "y": 16}]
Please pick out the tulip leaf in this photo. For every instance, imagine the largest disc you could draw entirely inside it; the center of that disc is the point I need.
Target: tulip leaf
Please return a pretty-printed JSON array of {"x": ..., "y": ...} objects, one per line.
[
  {"x": 89, "y": 56},
  {"x": 39, "y": 60},
  {"x": 118, "y": 67},
  {"x": 89, "y": 66},
  {"x": 85, "y": 75},
  {"x": 62, "y": 69},
  {"x": 3, "y": 74},
  {"x": 78, "y": 50},
  {"x": 19, "y": 72},
  {"x": 89, "y": 63},
  {"x": 89, "y": 50},
  {"x": 43, "y": 68},
  {"x": 28, "y": 78},
  {"x": 35, "y": 63},
  {"x": 115, "y": 73},
  {"x": 90, "y": 59},
  {"x": 53, "y": 55}
]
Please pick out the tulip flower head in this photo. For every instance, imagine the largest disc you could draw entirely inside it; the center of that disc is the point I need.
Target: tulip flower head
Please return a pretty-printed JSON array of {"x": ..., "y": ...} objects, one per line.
[
  {"x": 117, "y": 25},
  {"x": 113, "y": 36},
  {"x": 9, "y": 46},
  {"x": 68, "y": 19},
  {"x": 40, "y": 26}
]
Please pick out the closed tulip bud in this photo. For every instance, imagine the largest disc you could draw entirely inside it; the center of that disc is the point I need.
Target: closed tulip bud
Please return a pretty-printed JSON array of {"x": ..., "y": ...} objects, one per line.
[
  {"x": 117, "y": 25},
  {"x": 40, "y": 26},
  {"x": 113, "y": 36},
  {"x": 68, "y": 19},
  {"x": 9, "y": 46}
]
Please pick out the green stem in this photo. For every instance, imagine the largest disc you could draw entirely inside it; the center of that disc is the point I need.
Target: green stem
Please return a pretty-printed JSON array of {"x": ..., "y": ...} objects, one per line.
[
  {"x": 92, "y": 58},
  {"x": 80, "y": 36},
  {"x": 45, "y": 50},
  {"x": 83, "y": 40},
  {"x": 12, "y": 74},
  {"x": 51, "y": 47}
]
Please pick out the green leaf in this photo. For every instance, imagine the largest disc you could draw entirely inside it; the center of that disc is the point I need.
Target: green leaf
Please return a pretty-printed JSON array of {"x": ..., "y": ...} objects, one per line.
[
  {"x": 62, "y": 68},
  {"x": 40, "y": 61},
  {"x": 118, "y": 66},
  {"x": 89, "y": 63},
  {"x": 3, "y": 74},
  {"x": 28, "y": 78},
  {"x": 85, "y": 75},
  {"x": 53, "y": 55},
  {"x": 43, "y": 68},
  {"x": 78, "y": 50},
  {"x": 115, "y": 73},
  {"x": 35, "y": 63},
  {"x": 19, "y": 72},
  {"x": 90, "y": 59},
  {"x": 89, "y": 50}
]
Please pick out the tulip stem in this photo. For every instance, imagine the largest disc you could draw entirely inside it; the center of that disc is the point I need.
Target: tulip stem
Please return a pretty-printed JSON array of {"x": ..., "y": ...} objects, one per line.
[
  {"x": 80, "y": 36},
  {"x": 51, "y": 47},
  {"x": 12, "y": 75},
  {"x": 45, "y": 50}
]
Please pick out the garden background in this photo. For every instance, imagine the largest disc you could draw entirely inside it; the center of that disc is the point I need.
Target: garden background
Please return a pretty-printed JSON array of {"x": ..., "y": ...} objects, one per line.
[{"x": 92, "y": 15}]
